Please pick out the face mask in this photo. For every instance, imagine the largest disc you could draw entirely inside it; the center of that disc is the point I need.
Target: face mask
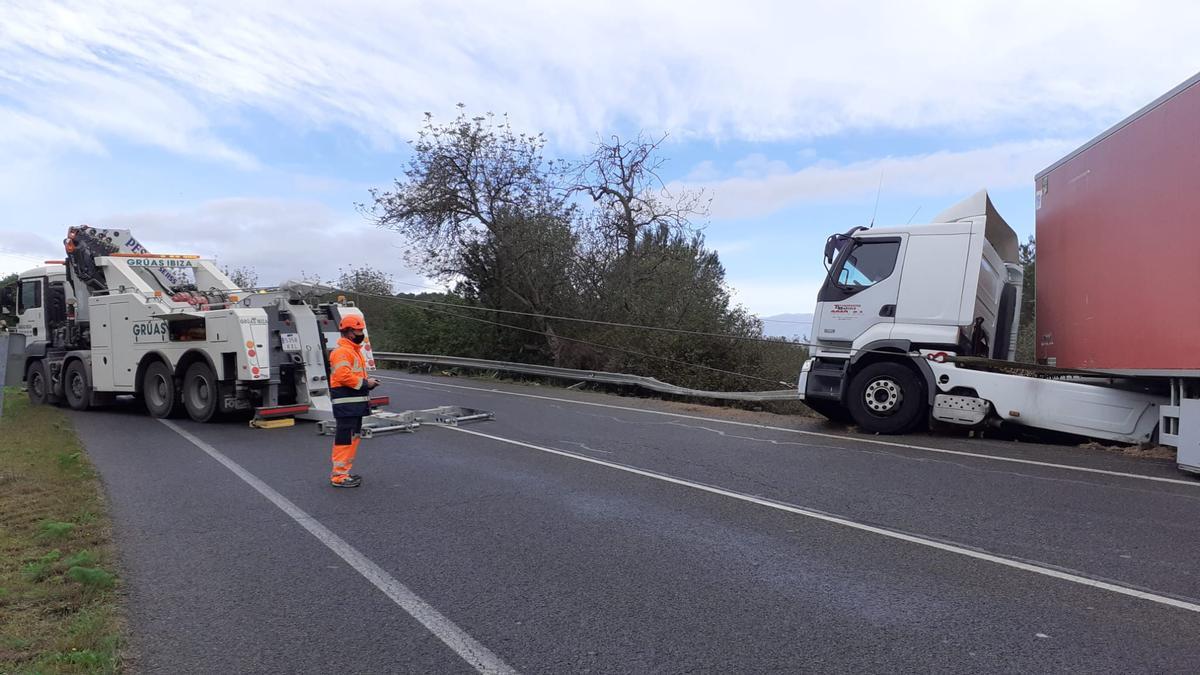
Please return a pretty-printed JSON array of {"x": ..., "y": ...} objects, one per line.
[{"x": 358, "y": 339}]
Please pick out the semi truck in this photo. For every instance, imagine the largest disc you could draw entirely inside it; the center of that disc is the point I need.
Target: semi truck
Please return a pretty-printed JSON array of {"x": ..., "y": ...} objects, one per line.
[
  {"x": 919, "y": 323},
  {"x": 113, "y": 319}
]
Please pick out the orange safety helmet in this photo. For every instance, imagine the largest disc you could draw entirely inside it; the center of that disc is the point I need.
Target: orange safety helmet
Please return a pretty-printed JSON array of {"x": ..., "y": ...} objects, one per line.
[{"x": 352, "y": 321}]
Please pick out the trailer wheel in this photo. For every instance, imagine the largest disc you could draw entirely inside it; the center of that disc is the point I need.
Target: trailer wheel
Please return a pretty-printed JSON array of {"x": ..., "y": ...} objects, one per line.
[
  {"x": 76, "y": 386},
  {"x": 200, "y": 392},
  {"x": 158, "y": 390},
  {"x": 887, "y": 398},
  {"x": 38, "y": 384}
]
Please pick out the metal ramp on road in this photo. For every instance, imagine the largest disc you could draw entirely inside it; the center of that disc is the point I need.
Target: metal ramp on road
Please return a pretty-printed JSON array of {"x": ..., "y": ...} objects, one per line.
[{"x": 388, "y": 422}]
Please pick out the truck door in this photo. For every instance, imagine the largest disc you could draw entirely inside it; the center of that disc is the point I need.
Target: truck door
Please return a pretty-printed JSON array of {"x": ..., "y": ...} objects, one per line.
[
  {"x": 860, "y": 290},
  {"x": 31, "y": 316}
]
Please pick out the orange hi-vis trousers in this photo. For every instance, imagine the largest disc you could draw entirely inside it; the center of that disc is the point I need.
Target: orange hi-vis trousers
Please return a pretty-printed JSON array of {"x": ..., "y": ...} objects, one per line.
[{"x": 345, "y": 447}]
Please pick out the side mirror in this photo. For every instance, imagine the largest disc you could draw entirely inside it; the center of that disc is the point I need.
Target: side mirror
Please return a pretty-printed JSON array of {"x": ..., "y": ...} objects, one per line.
[
  {"x": 835, "y": 243},
  {"x": 832, "y": 246}
]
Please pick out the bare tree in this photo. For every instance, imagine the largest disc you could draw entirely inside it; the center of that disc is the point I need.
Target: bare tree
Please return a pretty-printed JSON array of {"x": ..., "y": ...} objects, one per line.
[{"x": 622, "y": 178}]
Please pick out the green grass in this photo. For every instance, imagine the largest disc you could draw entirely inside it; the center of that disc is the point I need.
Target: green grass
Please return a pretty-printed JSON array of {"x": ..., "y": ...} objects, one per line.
[{"x": 59, "y": 610}]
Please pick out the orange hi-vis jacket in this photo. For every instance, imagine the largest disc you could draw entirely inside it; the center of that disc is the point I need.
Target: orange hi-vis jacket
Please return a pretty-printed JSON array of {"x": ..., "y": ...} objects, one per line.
[{"x": 348, "y": 380}]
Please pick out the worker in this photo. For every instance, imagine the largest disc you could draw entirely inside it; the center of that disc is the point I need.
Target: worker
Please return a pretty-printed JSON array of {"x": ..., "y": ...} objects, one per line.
[{"x": 349, "y": 389}]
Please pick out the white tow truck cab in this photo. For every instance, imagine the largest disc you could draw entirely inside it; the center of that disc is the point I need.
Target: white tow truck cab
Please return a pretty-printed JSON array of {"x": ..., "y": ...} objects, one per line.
[
  {"x": 920, "y": 322},
  {"x": 174, "y": 330}
]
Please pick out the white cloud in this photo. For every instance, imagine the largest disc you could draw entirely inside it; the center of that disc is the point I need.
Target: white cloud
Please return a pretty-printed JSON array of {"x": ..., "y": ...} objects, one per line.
[
  {"x": 174, "y": 76},
  {"x": 21, "y": 133},
  {"x": 15, "y": 264},
  {"x": 759, "y": 165},
  {"x": 279, "y": 239},
  {"x": 731, "y": 247},
  {"x": 997, "y": 167},
  {"x": 703, "y": 172}
]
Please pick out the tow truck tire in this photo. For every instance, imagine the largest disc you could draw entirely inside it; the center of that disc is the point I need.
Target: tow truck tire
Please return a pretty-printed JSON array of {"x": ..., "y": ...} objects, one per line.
[
  {"x": 38, "y": 384},
  {"x": 201, "y": 392},
  {"x": 887, "y": 398},
  {"x": 76, "y": 386},
  {"x": 159, "y": 391}
]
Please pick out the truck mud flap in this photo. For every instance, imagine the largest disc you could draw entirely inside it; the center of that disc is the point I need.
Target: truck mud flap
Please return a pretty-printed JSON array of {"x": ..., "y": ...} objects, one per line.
[{"x": 14, "y": 370}]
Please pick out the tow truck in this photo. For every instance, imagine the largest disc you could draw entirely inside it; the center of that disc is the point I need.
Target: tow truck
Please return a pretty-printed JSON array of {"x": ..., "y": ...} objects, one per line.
[{"x": 113, "y": 319}]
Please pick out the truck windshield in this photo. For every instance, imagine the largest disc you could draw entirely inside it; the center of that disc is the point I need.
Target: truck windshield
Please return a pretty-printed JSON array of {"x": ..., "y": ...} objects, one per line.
[
  {"x": 868, "y": 263},
  {"x": 31, "y": 295}
]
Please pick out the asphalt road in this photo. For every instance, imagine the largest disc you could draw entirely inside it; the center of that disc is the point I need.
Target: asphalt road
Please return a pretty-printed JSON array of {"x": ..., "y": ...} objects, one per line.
[{"x": 585, "y": 533}]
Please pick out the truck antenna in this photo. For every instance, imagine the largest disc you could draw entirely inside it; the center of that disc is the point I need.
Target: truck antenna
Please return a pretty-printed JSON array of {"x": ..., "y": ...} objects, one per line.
[
  {"x": 878, "y": 189},
  {"x": 914, "y": 215}
]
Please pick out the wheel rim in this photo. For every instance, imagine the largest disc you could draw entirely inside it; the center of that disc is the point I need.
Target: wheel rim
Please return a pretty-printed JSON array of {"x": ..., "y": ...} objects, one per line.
[
  {"x": 157, "y": 391},
  {"x": 77, "y": 386},
  {"x": 200, "y": 393},
  {"x": 883, "y": 396},
  {"x": 37, "y": 385}
]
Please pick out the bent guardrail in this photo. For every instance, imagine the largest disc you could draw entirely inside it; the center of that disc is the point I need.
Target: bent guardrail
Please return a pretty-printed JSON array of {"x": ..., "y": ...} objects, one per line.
[{"x": 590, "y": 376}]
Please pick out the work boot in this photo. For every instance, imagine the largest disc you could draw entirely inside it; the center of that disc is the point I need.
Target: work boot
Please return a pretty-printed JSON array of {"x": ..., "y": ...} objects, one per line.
[{"x": 350, "y": 481}]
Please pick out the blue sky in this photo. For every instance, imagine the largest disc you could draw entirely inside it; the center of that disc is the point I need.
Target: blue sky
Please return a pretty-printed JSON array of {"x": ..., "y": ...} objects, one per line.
[{"x": 247, "y": 131}]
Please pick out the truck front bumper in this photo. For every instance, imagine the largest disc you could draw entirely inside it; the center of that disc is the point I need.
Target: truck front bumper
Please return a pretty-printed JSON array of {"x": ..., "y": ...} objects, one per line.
[{"x": 802, "y": 384}]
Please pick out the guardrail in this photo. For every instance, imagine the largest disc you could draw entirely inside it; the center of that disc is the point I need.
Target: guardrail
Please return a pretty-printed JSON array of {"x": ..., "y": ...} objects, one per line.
[{"x": 590, "y": 376}]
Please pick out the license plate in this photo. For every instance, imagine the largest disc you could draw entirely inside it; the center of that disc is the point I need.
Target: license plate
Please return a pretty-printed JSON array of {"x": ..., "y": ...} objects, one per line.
[{"x": 291, "y": 342}]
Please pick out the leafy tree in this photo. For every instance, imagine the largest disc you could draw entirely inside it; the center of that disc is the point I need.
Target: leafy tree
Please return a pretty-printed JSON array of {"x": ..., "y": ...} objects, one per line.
[
  {"x": 365, "y": 279},
  {"x": 8, "y": 318},
  {"x": 481, "y": 203},
  {"x": 601, "y": 239},
  {"x": 1027, "y": 334}
]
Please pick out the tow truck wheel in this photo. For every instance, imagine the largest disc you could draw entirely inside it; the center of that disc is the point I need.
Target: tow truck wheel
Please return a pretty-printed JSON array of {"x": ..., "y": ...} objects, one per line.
[
  {"x": 887, "y": 398},
  {"x": 38, "y": 384},
  {"x": 200, "y": 392},
  {"x": 76, "y": 386},
  {"x": 158, "y": 390}
]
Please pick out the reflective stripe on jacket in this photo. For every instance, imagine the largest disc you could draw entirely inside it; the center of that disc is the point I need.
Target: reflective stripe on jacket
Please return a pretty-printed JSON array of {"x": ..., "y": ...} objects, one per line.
[{"x": 348, "y": 380}]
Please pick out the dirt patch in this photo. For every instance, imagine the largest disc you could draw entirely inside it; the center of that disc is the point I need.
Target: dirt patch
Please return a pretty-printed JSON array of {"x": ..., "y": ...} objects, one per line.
[{"x": 1145, "y": 451}]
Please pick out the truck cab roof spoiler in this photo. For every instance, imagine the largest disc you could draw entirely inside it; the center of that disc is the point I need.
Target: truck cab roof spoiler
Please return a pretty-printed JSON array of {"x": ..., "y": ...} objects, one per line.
[{"x": 998, "y": 233}]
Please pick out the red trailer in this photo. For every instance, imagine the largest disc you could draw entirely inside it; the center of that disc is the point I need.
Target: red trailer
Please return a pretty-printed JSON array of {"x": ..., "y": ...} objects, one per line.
[{"x": 1118, "y": 245}]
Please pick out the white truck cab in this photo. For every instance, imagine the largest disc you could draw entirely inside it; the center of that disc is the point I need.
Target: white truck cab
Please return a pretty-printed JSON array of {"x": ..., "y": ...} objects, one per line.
[{"x": 936, "y": 285}]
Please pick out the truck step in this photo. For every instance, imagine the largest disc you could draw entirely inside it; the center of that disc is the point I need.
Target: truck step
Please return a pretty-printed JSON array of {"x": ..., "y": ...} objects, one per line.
[{"x": 964, "y": 410}]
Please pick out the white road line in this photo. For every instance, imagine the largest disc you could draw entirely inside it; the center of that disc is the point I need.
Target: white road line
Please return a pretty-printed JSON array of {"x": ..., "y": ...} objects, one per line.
[
  {"x": 818, "y": 434},
  {"x": 479, "y": 657},
  {"x": 931, "y": 543}
]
